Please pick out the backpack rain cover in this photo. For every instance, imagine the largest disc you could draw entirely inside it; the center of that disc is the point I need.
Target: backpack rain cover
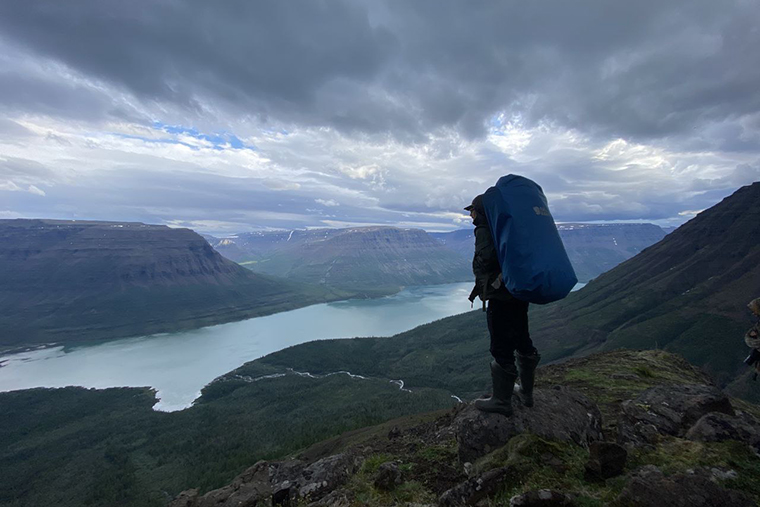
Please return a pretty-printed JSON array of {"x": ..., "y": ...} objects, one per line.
[{"x": 534, "y": 264}]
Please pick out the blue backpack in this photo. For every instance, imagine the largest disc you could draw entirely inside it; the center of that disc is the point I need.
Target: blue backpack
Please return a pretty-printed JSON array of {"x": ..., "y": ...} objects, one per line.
[{"x": 534, "y": 264}]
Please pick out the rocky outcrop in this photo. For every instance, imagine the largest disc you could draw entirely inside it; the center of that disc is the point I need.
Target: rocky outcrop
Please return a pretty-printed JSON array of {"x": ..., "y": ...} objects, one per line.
[
  {"x": 278, "y": 483},
  {"x": 388, "y": 476},
  {"x": 473, "y": 490},
  {"x": 668, "y": 410},
  {"x": 559, "y": 414},
  {"x": 553, "y": 454},
  {"x": 606, "y": 459},
  {"x": 247, "y": 489},
  {"x": 649, "y": 487},
  {"x": 719, "y": 427}
]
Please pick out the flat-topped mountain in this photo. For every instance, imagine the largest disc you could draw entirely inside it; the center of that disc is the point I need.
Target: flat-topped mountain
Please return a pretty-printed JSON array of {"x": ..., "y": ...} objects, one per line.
[
  {"x": 592, "y": 248},
  {"x": 84, "y": 280},
  {"x": 596, "y": 248},
  {"x": 686, "y": 294},
  {"x": 366, "y": 260}
]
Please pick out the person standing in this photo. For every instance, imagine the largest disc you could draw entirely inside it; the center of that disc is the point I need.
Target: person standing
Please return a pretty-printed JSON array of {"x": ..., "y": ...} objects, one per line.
[{"x": 511, "y": 346}]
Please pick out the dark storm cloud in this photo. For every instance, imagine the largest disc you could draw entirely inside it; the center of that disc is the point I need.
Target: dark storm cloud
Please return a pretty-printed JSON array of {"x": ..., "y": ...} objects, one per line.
[{"x": 640, "y": 69}]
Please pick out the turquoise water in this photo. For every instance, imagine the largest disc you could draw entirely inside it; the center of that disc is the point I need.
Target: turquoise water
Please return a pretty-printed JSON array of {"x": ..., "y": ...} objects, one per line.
[{"x": 178, "y": 365}]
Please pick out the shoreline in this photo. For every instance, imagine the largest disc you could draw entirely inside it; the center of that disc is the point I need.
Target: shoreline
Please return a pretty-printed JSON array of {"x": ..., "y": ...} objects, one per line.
[
  {"x": 171, "y": 397},
  {"x": 204, "y": 322}
]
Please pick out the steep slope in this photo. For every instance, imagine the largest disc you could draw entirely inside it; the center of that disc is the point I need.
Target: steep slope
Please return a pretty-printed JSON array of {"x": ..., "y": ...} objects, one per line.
[
  {"x": 687, "y": 294},
  {"x": 592, "y": 248},
  {"x": 365, "y": 260},
  {"x": 64, "y": 281}
]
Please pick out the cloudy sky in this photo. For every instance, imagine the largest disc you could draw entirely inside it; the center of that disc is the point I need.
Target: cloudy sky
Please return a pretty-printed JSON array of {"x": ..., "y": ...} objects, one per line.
[{"x": 241, "y": 115}]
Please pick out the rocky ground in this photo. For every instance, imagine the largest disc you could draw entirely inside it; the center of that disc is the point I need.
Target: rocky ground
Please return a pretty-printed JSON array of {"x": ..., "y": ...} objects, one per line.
[{"x": 624, "y": 428}]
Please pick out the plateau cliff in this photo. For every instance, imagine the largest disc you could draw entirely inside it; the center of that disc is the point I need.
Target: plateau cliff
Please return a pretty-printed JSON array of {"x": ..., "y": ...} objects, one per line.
[
  {"x": 64, "y": 281},
  {"x": 368, "y": 261}
]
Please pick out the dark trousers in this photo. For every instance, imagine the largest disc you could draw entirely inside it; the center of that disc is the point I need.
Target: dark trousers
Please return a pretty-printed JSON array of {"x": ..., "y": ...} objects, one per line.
[{"x": 508, "y": 326}]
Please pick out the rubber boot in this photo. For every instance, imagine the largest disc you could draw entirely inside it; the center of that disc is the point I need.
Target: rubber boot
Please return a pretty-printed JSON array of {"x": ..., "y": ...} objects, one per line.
[
  {"x": 526, "y": 368},
  {"x": 503, "y": 384}
]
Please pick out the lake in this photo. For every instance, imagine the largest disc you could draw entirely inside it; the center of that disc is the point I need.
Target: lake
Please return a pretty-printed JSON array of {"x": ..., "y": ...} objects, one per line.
[{"x": 178, "y": 365}]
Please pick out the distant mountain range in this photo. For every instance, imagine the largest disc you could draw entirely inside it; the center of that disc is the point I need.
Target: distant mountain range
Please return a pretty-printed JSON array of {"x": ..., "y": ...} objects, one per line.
[
  {"x": 368, "y": 261},
  {"x": 65, "y": 281},
  {"x": 592, "y": 248}
]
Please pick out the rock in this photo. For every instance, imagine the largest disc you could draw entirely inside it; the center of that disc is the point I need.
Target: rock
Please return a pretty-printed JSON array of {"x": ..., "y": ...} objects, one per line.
[
  {"x": 395, "y": 432},
  {"x": 607, "y": 459},
  {"x": 541, "y": 498},
  {"x": 559, "y": 414},
  {"x": 286, "y": 470},
  {"x": 388, "y": 476},
  {"x": 722, "y": 474},
  {"x": 338, "y": 498},
  {"x": 648, "y": 487},
  {"x": 325, "y": 475},
  {"x": 717, "y": 427},
  {"x": 293, "y": 480},
  {"x": 668, "y": 410},
  {"x": 473, "y": 490},
  {"x": 246, "y": 490},
  {"x": 283, "y": 493},
  {"x": 188, "y": 498}
]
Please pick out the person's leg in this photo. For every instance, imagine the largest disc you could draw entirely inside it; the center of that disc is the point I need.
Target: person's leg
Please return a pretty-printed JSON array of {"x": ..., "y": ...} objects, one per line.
[
  {"x": 508, "y": 327},
  {"x": 510, "y": 337},
  {"x": 526, "y": 354},
  {"x": 503, "y": 370}
]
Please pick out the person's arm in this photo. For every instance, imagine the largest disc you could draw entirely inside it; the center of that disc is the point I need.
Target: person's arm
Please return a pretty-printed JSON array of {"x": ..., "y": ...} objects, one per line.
[{"x": 485, "y": 252}]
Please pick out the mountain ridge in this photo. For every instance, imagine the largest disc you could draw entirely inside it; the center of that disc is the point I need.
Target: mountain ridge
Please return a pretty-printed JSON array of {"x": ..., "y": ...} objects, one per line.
[
  {"x": 66, "y": 281},
  {"x": 374, "y": 260}
]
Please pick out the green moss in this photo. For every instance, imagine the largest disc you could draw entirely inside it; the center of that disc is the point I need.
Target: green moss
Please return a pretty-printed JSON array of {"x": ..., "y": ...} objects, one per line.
[
  {"x": 366, "y": 494},
  {"x": 372, "y": 463},
  {"x": 536, "y": 463},
  {"x": 644, "y": 372},
  {"x": 439, "y": 453},
  {"x": 675, "y": 455}
]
